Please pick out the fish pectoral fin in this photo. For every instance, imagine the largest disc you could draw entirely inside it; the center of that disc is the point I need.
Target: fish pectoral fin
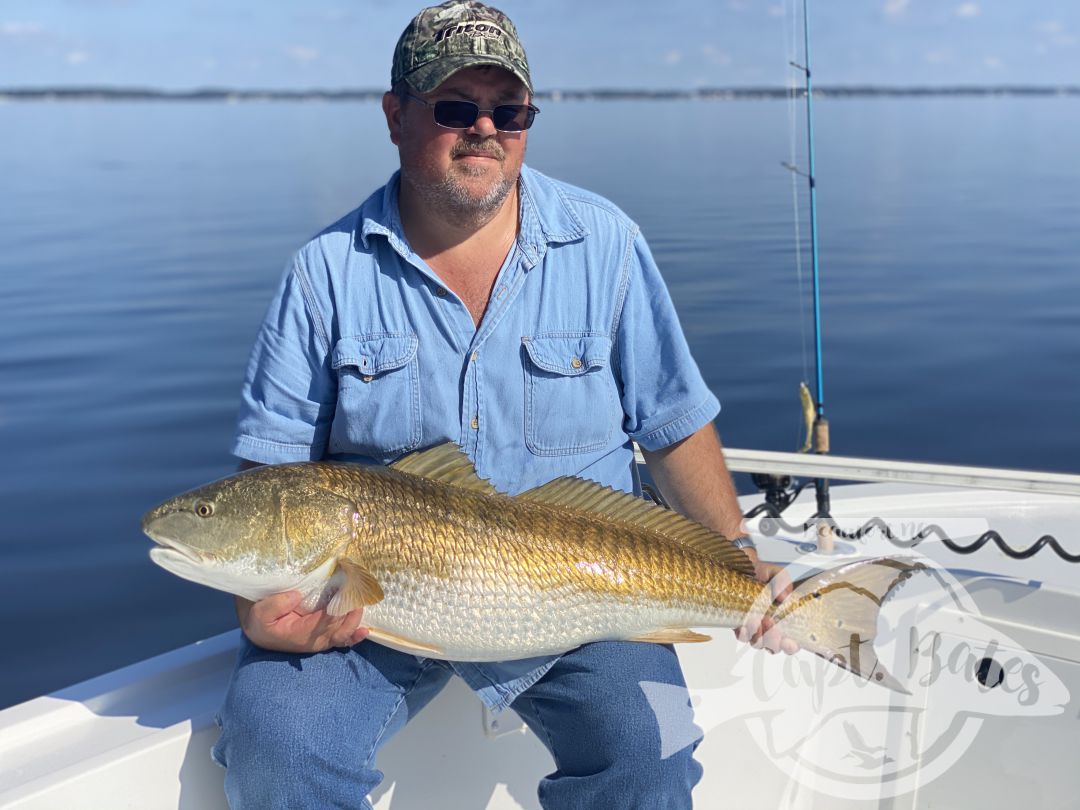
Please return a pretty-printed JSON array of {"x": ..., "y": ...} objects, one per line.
[
  {"x": 672, "y": 635},
  {"x": 359, "y": 589},
  {"x": 403, "y": 644}
]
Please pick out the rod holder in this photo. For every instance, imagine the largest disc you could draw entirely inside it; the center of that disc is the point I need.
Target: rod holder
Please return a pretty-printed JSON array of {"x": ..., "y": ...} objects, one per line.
[{"x": 825, "y": 537}]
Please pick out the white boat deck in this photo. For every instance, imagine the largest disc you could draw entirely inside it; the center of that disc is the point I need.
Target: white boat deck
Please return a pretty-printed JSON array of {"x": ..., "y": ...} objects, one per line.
[{"x": 139, "y": 737}]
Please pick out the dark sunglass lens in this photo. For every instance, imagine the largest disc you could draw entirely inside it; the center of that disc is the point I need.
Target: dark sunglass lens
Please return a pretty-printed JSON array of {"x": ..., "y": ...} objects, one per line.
[
  {"x": 456, "y": 114},
  {"x": 512, "y": 117}
]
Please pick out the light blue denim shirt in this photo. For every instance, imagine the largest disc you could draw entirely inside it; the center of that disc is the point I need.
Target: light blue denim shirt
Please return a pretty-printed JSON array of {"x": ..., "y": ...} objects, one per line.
[{"x": 365, "y": 356}]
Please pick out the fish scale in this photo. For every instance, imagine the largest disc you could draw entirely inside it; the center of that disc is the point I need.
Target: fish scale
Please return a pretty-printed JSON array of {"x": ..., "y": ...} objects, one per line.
[
  {"x": 528, "y": 579},
  {"x": 447, "y": 567}
]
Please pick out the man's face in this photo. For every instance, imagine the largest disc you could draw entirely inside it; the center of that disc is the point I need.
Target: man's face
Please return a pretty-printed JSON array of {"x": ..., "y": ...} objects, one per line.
[{"x": 466, "y": 171}]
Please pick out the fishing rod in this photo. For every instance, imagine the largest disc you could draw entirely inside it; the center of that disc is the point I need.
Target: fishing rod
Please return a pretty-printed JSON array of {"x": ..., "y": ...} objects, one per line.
[
  {"x": 817, "y": 424},
  {"x": 779, "y": 490}
]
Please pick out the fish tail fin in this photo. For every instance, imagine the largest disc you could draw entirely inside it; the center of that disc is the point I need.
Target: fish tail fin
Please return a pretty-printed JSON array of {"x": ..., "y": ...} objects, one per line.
[{"x": 834, "y": 614}]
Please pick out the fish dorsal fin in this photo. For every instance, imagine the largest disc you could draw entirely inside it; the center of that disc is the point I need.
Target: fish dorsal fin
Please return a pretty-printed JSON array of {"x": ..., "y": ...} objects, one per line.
[
  {"x": 359, "y": 589},
  {"x": 588, "y": 496},
  {"x": 445, "y": 463}
]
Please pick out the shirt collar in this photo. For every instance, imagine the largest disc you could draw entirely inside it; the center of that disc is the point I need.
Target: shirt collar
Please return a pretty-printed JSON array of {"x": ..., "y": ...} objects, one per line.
[
  {"x": 379, "y": 215},
  {"x": 546, "y": 214}
]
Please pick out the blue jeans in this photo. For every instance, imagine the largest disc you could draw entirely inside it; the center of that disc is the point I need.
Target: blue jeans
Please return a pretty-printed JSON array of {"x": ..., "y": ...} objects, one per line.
[{"x": 303, "y": 731}]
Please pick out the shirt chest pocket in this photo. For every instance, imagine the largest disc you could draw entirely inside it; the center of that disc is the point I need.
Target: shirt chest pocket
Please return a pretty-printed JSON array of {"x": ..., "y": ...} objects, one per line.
[
  {"x": 571, "y": 402},
  {"x": 378, "y": 407}
]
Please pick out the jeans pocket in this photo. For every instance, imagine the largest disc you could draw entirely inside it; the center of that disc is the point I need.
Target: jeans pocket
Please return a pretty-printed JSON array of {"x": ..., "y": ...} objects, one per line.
[
  {"x": 378, "y": 394},
  {"x": 570, "y": 394}
]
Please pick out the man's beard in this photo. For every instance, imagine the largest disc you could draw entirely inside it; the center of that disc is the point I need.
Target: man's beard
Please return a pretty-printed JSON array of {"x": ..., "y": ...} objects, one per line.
[{"x": 454, "y": 199}]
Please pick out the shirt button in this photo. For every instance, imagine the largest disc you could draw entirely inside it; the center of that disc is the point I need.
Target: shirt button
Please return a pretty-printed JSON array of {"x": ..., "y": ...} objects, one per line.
[
  {"x": 475, "y": 423},
  {"x": 441, "y": 292},
  {"x": 367, "y": 378},
  {"x": 576, "y": 362},
  {"x": 474, "y": 357}
]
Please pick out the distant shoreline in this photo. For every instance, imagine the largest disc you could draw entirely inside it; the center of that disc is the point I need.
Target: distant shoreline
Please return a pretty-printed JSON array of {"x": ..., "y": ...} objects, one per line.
[{"x": 230, "y": 95}]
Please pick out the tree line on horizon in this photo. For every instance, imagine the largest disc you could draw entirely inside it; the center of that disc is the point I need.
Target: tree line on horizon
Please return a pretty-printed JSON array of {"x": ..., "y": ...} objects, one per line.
[{"x": 106, "y": 93}]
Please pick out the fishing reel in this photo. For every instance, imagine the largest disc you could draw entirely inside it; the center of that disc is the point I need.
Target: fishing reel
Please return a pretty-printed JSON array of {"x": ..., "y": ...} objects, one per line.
[
  {"x": 777, "y": 488},
  {"x": 779, "y": 493}
]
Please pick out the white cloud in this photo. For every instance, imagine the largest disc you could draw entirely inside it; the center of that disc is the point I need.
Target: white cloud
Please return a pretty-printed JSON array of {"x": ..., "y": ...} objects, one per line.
[
  {"x": 776, "y": 11},
  {"x": 968, "y": 10},
  {"x": 992, "y": 62},
  {"x": 715, "y": 55},
  {"x": 673, "y": 57},
  {"x": 737, "y": 5},
  {"x": 937, "y": 57},
  {"x": 300, "y": 53},
  {"x": 1055, "y": 33},
  {"x": 77, "y": 57},
  {"x": 19, "y": 29},
  {"x": 896, "y": 8}
]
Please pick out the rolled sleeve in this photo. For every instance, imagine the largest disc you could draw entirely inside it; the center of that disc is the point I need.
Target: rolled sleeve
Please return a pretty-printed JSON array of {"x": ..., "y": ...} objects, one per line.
[
  {"x": 665, "y": 398},
  {"x": 289, "y": 392}
]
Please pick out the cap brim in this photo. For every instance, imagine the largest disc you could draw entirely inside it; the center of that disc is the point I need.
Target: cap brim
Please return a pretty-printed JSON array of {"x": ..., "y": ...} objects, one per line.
[{"x": 427, "y": 78}]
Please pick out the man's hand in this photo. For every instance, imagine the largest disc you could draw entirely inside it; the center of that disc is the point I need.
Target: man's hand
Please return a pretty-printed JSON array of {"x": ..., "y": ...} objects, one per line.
[
  {"x": 760, "y": 630},
  {"x": 694, "y": 478},
  {"x": 274, "y": 624}
]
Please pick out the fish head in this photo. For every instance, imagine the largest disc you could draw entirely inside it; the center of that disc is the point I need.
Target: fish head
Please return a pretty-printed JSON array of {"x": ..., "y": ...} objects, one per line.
[{"x": 260, "y": 532}]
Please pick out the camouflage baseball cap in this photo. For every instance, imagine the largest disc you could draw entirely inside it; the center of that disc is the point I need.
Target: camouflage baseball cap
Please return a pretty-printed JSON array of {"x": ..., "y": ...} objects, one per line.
[{"x": 442, "y": 40}]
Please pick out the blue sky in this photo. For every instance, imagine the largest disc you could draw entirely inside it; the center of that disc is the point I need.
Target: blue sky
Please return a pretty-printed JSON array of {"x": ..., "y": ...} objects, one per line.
[{"x": 571, "y": 43}]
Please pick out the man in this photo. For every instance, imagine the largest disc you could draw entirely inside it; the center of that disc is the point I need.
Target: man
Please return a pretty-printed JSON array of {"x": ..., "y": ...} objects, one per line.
[{"x": 476, "y": 301}]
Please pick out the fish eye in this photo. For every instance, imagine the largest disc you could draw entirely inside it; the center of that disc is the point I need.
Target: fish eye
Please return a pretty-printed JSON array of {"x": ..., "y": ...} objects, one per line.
[{"x": 204, "y": 509}]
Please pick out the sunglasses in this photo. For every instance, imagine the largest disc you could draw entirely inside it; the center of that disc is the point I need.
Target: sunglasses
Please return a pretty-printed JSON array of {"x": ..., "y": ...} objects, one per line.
[{"x": 463, "y": 114}]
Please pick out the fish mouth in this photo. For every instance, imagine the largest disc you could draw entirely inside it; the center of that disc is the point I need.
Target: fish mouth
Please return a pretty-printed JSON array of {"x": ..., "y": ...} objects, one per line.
[
  {"x": 156, "y": 527},
  {"x": 170, "y": 545}
]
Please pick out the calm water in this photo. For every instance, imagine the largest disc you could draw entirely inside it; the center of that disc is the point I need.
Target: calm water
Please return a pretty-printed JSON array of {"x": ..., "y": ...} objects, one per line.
[{"x": 139, "y": 245}]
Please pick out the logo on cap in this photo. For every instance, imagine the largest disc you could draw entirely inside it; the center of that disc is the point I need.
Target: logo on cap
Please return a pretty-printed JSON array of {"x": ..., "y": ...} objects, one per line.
[{"x": 485, "y": 30}]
